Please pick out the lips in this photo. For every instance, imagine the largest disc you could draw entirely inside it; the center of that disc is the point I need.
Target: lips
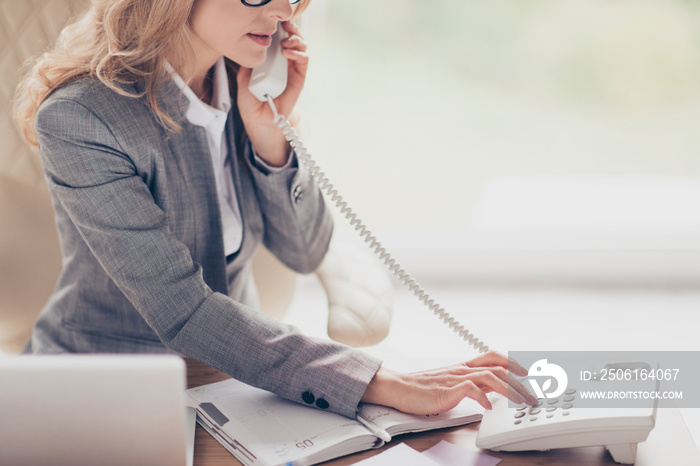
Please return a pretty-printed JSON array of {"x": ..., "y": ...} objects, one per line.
[{"x": 261, "y": 39}]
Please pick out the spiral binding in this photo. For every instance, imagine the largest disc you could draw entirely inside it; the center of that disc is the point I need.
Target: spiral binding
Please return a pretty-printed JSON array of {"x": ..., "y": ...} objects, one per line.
[{"x": 404, "y": 277}]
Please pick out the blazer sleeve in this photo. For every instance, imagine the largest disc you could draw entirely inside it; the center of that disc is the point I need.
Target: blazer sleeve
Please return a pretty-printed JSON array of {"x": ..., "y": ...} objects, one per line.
[
  {"x": 298, "y": 226},
  {"x": 100, "y": 189}
]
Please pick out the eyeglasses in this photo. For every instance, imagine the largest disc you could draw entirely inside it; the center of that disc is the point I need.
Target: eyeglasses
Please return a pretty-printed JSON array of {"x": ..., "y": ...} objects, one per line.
[{"x": 264, "y": 2}]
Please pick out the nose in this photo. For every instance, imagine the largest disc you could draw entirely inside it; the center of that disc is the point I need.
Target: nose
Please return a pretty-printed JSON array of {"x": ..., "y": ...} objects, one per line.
[{"x": 280, "y": 9}]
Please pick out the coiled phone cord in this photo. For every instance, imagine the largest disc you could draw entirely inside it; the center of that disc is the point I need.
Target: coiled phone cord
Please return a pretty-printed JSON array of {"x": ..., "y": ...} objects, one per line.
[{"x": 404, "y": 277}]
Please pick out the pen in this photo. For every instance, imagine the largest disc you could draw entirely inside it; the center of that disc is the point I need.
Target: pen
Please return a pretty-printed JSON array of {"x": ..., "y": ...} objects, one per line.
[{"x": 376, "y": 430}]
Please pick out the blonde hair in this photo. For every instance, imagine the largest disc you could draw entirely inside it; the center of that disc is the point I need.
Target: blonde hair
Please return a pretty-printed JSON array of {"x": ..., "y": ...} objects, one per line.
[{"x": 121, "y": 43}]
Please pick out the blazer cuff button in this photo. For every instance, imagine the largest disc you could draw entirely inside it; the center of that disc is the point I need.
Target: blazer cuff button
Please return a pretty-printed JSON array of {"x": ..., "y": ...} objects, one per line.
[
  {"x": 308, "y": 397},
  {"x": 321, "y": 403}
]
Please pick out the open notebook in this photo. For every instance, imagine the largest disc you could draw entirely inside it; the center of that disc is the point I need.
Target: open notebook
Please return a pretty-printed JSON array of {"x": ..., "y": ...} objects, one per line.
[{"x": 261, "y": 428}]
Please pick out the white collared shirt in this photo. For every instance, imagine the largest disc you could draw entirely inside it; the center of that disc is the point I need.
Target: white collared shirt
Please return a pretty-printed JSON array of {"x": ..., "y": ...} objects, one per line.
[{"x": 213, "y": 119}]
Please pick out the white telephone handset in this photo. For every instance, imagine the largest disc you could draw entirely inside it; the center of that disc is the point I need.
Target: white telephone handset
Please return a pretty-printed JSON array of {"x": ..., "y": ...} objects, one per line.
[
  {"x": 270, "y": 78},
  {"x": 618, "y": 430}
]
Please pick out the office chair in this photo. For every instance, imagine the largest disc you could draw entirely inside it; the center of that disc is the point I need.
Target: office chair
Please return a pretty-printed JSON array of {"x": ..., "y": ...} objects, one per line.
[{"x": 358, "y": 288}]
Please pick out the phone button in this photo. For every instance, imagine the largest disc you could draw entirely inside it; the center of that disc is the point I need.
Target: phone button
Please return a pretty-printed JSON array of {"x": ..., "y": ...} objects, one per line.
[
  {"x": 519, "y": 415},
  {"x": 567, "y": 406},
  {"x": 551, "y": 408},
  {"x": 570, "y": 391}
]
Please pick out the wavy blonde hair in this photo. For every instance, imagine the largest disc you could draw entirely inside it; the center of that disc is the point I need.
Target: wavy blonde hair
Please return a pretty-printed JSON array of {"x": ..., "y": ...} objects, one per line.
[{"x": 121, "y": 43}]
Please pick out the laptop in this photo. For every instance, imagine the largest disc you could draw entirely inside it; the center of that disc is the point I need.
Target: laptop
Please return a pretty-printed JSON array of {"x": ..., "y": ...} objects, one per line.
[{"x": 94, "y": 409}]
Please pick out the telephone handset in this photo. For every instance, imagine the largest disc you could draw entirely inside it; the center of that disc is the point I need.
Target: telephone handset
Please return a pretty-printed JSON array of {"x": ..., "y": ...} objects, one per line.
[
  {"x": 500, "y": 430},
  {"x": 267, "y": 82},
  {"x": 270, "y": 78}
]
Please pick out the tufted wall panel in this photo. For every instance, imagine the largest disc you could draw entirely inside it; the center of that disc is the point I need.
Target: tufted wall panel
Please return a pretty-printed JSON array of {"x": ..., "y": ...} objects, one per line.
[
  {"x": 29, "y": 254},
  {"x": 26, "y": 29}
]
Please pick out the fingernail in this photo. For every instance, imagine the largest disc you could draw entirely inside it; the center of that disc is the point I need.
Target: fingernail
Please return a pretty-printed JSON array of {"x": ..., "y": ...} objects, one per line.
[{"x": 489, "y": 405}]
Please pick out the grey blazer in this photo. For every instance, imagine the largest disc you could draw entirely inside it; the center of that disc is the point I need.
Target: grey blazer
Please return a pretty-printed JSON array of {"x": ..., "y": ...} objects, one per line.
[{"x": 143, "y": 256}]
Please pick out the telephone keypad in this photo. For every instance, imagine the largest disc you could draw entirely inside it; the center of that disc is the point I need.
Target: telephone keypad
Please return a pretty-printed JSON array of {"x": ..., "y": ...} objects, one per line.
[{"x": 551, "y": 407}]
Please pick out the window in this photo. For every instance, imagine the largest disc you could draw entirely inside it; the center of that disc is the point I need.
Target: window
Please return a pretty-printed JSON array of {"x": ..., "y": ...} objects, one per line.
[{"x": 412, "y": 106}]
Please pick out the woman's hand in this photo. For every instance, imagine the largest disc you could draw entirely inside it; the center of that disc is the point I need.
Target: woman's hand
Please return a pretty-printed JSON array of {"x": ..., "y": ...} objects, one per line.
[
  {"x": 440, "y": 390},
  {"x": 268, "y": 141}
]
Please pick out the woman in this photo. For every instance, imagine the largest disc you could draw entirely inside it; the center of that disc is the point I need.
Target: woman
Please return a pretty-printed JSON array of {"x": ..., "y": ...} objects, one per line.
[{"x": 166, "y": 174}]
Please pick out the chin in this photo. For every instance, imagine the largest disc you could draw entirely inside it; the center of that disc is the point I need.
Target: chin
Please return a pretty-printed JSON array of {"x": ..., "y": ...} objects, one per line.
[
  {"x": 250, "y": 60},
  {"x": 259, "y": 60}
]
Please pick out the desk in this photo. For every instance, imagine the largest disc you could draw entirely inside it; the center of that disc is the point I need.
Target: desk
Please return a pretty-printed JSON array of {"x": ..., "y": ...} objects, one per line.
[{"x": 669, "y": 443}]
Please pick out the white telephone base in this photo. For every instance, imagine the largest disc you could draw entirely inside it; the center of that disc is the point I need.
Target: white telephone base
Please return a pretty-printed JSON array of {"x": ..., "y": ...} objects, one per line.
[{"x": 557, "y": 424}]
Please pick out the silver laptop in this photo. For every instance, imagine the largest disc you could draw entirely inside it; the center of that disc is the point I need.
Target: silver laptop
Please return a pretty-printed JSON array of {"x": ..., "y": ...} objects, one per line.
[{"x": 94, "y": 409}]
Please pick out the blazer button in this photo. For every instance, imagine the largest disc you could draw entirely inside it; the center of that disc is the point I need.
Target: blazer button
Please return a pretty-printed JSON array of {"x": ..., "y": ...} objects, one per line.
[
  {"x": 321, "y": 403},
  {"x": 298, "y": 194},
  {"x": 308, "y": 397}
]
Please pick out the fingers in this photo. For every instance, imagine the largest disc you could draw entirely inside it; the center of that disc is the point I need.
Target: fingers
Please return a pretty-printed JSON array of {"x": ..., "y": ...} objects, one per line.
[
  {"x": 470, "y": 390},
  {"x": 294, "y": 42},
  {"x": 291, "y": 28},
  {"x": 296, "y": 56},
  {"x": 294, "y": 39},
  {"x": 500, "y": 365},
  {"x": 492, "y": 358},
  {"x": 294, "y": 47},
  {"x": 517, "y": 392}
]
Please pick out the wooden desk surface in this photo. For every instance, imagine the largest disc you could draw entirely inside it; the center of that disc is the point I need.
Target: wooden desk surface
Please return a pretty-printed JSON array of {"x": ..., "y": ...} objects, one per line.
[{"x": 669, "y": 443}]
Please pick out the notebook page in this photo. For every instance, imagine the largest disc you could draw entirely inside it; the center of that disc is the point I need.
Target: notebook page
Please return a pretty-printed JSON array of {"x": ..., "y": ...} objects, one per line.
[
  {"x": 396, "y": 422},
  {"x": 277, "y": 429}
]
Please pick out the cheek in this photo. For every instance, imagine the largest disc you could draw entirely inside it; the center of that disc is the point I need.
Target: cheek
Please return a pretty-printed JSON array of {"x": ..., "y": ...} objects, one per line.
[
  {"x": 215, "y": 21},
  {"x": 222, "y": 25}
]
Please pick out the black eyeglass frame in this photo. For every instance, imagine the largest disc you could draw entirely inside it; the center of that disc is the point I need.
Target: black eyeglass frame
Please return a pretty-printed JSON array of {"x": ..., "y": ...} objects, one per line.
[{"x": 265, "y": 2}]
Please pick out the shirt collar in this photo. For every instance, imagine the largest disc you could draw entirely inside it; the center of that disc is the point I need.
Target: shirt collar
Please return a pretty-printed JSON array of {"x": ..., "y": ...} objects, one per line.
[{"x": 199, "y": 113}]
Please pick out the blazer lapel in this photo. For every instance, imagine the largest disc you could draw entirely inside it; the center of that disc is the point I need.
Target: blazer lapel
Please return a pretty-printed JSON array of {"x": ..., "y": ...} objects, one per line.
[{"x": 190, "y": 151}]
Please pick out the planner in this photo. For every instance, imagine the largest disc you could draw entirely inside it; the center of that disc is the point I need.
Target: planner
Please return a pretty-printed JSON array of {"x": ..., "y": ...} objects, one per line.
[{"x": 261, "y": 428}]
